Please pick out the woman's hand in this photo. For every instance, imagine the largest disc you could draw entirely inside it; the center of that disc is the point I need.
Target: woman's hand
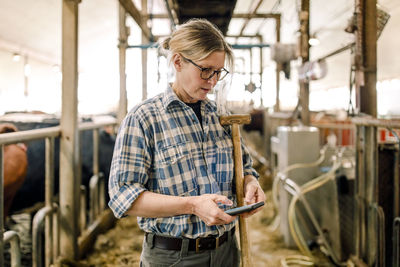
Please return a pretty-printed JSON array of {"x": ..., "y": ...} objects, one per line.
[
  {"x": 206, "y": 207},
  {"x": 253, "y": 193}
]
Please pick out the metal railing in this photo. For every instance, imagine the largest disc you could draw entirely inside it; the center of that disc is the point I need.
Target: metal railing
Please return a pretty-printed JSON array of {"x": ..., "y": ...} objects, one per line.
[
  {"x": 369, "y": 216},
  {"x": 344, "y": 132},
  {"x": 48, "y": 215}
]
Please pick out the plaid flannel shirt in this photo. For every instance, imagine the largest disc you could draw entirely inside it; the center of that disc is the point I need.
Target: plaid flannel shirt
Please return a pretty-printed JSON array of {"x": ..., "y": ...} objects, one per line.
[{"x": 161, "y": 147}]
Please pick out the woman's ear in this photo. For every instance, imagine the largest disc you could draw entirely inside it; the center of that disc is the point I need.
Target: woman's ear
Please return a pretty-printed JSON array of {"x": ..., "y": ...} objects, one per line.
[{"x": 177, "y": 61}]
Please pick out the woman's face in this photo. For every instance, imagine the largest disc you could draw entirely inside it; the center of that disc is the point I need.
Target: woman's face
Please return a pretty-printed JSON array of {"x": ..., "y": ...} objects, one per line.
[{"x": 188, "y": 85}]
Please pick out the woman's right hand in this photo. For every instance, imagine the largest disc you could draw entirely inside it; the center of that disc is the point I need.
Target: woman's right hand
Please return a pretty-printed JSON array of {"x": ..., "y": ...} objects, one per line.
[{"x": 206, "y": 207}]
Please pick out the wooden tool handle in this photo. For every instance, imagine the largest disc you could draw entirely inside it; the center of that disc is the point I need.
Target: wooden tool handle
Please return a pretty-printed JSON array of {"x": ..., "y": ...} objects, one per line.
[{"x": 239, "y": 179}]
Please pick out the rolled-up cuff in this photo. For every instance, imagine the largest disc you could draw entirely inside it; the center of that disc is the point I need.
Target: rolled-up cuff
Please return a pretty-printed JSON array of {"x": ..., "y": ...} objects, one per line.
[{"x": 122, "y": 200}]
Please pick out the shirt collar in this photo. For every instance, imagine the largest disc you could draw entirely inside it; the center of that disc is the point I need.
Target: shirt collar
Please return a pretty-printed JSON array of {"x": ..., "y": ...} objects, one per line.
[{"x": 170, "y": 97}]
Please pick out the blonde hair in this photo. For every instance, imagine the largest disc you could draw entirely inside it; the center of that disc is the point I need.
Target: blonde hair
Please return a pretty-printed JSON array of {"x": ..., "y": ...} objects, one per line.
[{"x": 196, "y": 39}]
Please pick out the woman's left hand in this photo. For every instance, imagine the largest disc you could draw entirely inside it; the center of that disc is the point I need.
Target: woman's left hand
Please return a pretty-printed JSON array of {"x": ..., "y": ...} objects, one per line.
[{"x": 253, "y": 193}]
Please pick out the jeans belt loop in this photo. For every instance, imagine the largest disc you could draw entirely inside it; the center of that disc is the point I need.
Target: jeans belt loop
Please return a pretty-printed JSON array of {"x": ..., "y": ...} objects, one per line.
[
  {"x": 150, "y": 239},
  {"x": 216, "y": 242},
  {"x": 197, "y": 244}
]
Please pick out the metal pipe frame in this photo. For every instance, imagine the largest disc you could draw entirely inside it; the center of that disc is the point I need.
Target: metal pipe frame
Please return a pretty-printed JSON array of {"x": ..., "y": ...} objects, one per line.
[
  {"x": 15, "y": 250},
  {"x": 396, "y": 242},
  {"x": 1, "y": 205},
  {"x": 360, "y": 214},
  {"x": 82, "y": 215},
  {"x": 94, "y": 195},
  {"x": 369, "y": 221},
  {"x": 37, "y": 242},
  {"x": 49, "y": 134},
  {"x": 49, "y": 194}
]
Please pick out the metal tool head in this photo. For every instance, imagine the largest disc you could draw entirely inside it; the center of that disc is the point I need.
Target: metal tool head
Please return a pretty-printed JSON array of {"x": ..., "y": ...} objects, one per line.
[{"x": 235, "y": 119}]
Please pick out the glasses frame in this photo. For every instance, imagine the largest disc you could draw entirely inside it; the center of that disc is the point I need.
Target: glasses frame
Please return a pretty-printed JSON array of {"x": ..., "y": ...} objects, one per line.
[{"x": 203, "y": 69}]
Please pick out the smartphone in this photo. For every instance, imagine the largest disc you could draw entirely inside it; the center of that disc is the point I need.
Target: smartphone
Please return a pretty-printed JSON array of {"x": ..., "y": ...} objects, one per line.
[{"x": 246, "y": 208}]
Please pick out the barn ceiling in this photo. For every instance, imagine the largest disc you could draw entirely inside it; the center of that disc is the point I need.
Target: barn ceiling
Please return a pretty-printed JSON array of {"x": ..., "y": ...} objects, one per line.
[
  {"x": 218, "y": 12},
  {"x": 34, "y": 28}
]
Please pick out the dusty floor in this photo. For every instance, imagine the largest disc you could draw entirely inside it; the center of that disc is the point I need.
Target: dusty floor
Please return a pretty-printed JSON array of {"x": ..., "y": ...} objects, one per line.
[{"x": 121, "y": 246}]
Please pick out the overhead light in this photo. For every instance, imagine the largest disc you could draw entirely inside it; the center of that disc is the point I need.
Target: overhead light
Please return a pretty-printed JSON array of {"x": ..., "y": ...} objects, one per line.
[
  {"x": 16, "y": 57},
  {"x": 27, "y": 70},
  {"x": 313, "y": 41}
]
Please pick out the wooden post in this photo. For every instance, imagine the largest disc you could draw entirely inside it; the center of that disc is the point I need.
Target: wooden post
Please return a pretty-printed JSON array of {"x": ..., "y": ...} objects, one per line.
[
  {"x": 69, "y": 141},
  {"x": 123, "y": 36},
  {"x": 305, "y": 55}
]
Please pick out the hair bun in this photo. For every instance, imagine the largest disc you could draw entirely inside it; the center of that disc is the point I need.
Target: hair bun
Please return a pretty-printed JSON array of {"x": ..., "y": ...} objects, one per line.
[{"x": 165, "y": 43}]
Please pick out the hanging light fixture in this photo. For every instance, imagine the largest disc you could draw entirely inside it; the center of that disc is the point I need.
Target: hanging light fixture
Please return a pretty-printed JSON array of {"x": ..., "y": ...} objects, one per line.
[
  {"x": 313, "y": 41},
  {"x": 16, "y": 57}
]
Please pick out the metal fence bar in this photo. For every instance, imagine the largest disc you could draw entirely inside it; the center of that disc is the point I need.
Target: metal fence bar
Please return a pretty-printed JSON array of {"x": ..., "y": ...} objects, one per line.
[
  {"x": 15, "y": 250},
  {"x": 29, "y": 135},
  {"x": 37, "y": 228},
  {"x": 376, "y": 122},
  {"x": 1, "y": 206},
  {"x": 396, "y": 242},
  {"x": 49, "y": 194},
  {"x": 96, "y": 151},
  {"x": 102, "y": 192},
  {"x": 94, "y": 195},
  {"x": 82, "y": 215}
]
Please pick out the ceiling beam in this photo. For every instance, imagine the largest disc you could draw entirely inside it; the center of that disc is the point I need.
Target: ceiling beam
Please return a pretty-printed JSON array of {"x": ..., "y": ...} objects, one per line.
[
  {"x": 130, "y": 7},
  {"x": 234, "y": 16},
  {"x": 257, "y": 16},
  {"x": 253, "y": 10},
  {"x": 171, "y": 13}
]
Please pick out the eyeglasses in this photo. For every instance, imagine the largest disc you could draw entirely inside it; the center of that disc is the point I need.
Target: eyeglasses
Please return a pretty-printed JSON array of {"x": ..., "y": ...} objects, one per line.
[{"x": 208, "y": 73}]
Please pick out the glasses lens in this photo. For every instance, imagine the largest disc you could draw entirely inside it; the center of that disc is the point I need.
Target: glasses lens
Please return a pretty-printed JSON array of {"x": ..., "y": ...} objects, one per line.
[
  {"x": 222, "y": 74},
  {"x": 206, "y": 73}
]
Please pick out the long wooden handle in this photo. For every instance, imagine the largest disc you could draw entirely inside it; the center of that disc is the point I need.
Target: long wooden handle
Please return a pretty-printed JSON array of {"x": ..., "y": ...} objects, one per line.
[{"x": 239, "y": 179}]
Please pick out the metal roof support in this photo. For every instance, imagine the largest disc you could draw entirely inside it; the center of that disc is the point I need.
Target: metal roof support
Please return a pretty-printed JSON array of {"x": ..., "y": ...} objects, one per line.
[
  {"x": 171, "y": 14},
  {"x": 252, "y": 11},
  {"x": 123, "y": 43},
  {"x": 257, "y": 16},
  {"x": 70, "y": 178},
  {"x": 144, "y": 54},
  {"x": 277, "y": 107},
  {"x": 138, "y": 18},
  {"x": 366, "y": 42},
  {"x": 261, "y": 40},
  {"x": 305, "y": 56},
  {"x": 248, "y": 46}
]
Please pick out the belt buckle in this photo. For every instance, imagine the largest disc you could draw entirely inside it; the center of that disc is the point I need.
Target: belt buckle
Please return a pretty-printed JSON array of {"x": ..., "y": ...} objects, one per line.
[{"x": 198, "y": 244}]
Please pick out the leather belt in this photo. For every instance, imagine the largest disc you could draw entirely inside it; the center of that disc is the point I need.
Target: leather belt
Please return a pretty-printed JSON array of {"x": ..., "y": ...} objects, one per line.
[{"x": 198, "y": 244}]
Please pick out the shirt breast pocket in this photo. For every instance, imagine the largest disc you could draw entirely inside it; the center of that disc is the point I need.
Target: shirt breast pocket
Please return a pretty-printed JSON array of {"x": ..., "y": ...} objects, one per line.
[
  {"x": 176, "y": 171},
  {"x": 224, "y": 167}
]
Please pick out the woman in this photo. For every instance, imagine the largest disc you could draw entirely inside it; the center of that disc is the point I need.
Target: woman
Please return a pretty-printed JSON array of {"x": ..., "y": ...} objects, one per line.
[{"x": 173, "y": 162}]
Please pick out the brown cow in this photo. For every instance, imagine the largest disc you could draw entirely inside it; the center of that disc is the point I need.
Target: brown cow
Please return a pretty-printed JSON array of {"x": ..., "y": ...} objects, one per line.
[{"x": 15, "y": 167}]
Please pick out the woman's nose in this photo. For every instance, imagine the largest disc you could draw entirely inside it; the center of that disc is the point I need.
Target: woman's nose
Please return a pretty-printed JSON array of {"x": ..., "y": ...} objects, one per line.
[{"x": 213, "y": 80}]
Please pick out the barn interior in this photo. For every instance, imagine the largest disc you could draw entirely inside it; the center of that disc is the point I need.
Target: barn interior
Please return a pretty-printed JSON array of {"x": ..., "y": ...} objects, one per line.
[{"x": 320, "y": 81}]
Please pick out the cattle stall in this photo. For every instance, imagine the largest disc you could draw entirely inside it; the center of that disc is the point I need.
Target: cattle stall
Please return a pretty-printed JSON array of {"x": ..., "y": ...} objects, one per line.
[{"x": 90, "y": 221}]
